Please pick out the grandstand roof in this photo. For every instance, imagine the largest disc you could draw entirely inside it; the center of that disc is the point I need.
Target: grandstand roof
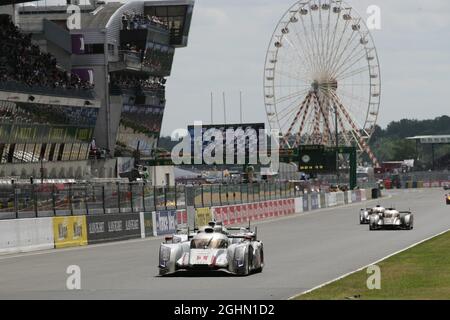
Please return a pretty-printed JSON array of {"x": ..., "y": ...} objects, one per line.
[
  {"x": 440, "y": 139},
  {"x": 101, "y": 17}
]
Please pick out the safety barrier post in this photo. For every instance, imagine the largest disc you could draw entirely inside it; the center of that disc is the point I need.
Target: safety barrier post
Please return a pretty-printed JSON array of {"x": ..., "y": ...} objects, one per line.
[
  {"x": 16, "y": 204},
  {"x": 118, "y": 196},
  {"x": 240, "y": 191},
  {"x": 211, "y": 195},
  {"x": 70, "y": 200},
  {"x": 165, "y": 197},
  {"x": 35, "y": 201},
  {"x": 130, "y": 190},
  {"x": 154, "y": 197},
  {"x": 176, "y": 196},
  {"x": 264, "y": 191},
  {"x": 54, "y": 199},
  {"x": 86, "y": 205},
  {"x": 103, "y": 199},
  {"x": 203, "y": 200}
]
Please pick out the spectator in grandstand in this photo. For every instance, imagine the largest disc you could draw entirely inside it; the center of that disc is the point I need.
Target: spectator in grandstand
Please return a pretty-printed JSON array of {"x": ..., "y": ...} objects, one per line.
[
  {"x": 23, "y": 62},
  {"x": 130, "y": 82},
  {"x": 134, "y": 21}
]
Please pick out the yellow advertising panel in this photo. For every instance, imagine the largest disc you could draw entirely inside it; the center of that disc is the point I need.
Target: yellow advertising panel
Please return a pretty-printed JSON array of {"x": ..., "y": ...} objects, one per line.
[
  {"x": 70, "y": 231},
  {"x": 202, "y": 216}
]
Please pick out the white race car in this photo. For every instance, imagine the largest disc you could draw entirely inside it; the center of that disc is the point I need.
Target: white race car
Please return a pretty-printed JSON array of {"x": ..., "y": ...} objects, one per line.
[
  {"x": 364, "y": 214},
  {"x": 393, "y": 219},
  {"x": 212, "y": 248}
]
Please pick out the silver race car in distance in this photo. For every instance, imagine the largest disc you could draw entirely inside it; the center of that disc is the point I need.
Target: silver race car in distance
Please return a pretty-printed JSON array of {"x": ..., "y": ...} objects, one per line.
[
  {"x": 364, "y": 214},
  {"x": 213, "y": 248},
  {"x": 393, "y": 219}
]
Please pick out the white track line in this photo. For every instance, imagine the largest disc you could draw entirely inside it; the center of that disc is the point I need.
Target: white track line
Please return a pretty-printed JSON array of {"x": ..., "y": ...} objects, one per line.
[{"x": 366, "y": 266}]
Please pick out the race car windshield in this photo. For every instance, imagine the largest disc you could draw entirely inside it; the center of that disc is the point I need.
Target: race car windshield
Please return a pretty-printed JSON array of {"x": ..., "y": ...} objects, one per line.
[{"x": 209, "y": 244}]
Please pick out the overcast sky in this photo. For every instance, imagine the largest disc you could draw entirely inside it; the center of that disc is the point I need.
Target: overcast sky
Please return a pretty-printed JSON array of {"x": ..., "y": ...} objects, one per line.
[{"x": 229, "y": 39}]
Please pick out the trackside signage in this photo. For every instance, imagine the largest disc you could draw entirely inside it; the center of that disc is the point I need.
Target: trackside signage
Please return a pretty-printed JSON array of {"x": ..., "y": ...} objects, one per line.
[
  {"x": 113, "y": 227},
  {"x": 165, "y": 223}
]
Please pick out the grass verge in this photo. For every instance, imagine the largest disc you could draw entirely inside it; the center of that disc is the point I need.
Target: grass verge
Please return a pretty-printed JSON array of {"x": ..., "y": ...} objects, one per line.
[{"x": 420, "y": 273}]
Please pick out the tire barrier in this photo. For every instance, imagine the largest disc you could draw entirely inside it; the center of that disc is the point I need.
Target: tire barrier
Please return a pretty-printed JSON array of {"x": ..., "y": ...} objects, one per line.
[{"x": 70, "y": 231}]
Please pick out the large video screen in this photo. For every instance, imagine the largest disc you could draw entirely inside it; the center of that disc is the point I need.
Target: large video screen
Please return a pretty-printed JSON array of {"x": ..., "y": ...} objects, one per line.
[{"x": 234, "y": 136}]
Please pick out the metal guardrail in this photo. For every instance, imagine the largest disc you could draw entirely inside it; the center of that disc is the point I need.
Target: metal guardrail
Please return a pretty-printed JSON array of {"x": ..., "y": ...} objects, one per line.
[{"x": 47, "y": 200}]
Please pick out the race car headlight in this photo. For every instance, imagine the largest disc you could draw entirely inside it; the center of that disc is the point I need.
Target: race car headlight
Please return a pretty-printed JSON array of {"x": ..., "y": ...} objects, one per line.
[{"x": 164, "y": 254}]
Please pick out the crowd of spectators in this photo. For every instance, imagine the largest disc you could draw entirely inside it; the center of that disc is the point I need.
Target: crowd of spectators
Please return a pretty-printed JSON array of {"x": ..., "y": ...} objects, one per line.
[
  {"x": 135, "y": 21},
  {"x": 158, "y": 60},
  {"x": 48, "y": 114},
  {"x": 24, "y": 63},
  {"x": 141, "y": 121},
  {"x": 137, "y": 83}
]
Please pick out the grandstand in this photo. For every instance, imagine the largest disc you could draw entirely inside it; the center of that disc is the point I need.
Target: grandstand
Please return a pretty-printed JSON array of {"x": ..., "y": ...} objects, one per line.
[
  {"x": 61, "y": 89},
  {"x": 46, "y": 113},
  {"x": 127, "y": 49}
]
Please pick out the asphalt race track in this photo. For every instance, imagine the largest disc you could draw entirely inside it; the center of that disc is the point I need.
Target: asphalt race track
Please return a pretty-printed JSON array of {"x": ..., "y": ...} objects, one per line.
[{"x": 301, "y": 252}]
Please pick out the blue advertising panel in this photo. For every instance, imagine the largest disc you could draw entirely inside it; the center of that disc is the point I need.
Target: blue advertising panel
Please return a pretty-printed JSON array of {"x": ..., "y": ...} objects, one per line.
[{"x": 166, "y": 222}]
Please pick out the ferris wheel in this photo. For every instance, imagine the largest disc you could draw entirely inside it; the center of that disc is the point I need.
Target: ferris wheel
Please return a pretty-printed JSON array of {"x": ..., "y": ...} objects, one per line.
[{"x": 322, "y": 77}]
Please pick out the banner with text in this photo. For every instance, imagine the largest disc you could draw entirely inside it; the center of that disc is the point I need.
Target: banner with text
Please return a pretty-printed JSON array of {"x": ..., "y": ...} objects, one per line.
[{"x": 113, "y": 227}]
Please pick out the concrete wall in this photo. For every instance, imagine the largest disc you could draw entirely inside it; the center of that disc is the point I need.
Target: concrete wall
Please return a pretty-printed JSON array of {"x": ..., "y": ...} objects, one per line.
[{"x": 26, "y": 235}]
